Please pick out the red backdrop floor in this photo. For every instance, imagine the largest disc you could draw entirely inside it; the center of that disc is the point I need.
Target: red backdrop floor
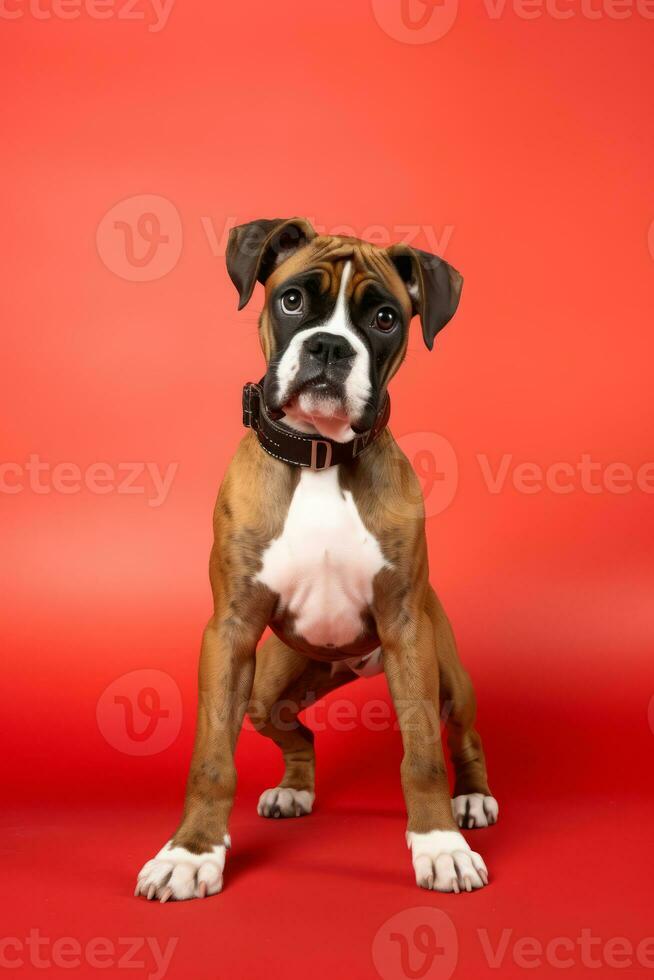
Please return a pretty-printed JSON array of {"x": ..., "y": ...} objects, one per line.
[
  {"x": 311, "y": 896},
  {"x": 569, "y": 861}
]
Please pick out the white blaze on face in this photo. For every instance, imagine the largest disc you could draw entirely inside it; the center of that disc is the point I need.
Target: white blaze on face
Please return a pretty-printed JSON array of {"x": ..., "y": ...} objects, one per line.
[{"x": 321, "y": 411}]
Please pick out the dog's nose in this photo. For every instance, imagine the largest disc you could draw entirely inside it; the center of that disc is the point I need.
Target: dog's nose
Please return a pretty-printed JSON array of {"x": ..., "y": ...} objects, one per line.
[{"x": 329, "y": 347}]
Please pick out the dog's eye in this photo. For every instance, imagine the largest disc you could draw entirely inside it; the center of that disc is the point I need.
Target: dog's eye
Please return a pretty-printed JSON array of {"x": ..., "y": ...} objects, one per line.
[
  {"x": 292, "y": 301},
  {"x": 385, "y": 318}
]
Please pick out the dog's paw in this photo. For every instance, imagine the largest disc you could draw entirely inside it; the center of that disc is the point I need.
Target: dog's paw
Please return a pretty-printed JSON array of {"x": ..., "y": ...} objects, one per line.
[
  {"x": 475, "y": 810},
  {"x": 180, "y": 874},
  {"x": 282, "y": 801},
  {"x": 443, "y": 862}
]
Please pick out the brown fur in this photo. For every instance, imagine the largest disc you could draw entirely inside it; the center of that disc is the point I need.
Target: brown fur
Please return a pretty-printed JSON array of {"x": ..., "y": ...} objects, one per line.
[{"x": 406, "y": 618}]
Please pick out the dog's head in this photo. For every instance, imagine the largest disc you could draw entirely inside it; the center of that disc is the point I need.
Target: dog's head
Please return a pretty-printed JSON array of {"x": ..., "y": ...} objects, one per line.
[{"x": 335, "y": 324}]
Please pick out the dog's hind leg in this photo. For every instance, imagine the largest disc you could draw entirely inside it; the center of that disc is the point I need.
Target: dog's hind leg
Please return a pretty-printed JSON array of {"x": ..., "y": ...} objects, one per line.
[
  {"x": 285, "y": 683},
  {"x": 472, "y": 804}
]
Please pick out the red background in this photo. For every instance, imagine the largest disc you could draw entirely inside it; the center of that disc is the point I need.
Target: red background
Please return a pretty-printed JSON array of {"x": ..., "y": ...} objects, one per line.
[{"x": 526, "y": 147}]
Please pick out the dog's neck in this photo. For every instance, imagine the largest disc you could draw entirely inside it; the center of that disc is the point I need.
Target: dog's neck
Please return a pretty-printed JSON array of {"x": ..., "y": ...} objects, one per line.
[{"x": 300, "y": 447}]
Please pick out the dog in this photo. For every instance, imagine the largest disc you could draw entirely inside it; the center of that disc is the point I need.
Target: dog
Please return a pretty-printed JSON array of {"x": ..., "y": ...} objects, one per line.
[{"x": 318, "y": 536}]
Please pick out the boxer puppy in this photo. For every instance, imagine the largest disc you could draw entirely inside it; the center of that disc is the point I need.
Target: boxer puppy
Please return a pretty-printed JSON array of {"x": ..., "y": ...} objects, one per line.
[{"x": 318, "y": 535}]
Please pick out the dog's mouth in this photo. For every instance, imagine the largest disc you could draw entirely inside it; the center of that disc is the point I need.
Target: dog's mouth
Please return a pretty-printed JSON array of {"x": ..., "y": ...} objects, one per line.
[
  {"x": 319, "y": 405},
  {"x": 325, "y": 396},
  {"x": 318, "y": 401}
]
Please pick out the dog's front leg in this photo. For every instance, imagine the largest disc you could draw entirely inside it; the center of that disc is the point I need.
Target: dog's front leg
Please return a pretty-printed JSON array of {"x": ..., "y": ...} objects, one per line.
[
  {"x": 191, "y": 864},
  {"x": 442, "y": 859}
]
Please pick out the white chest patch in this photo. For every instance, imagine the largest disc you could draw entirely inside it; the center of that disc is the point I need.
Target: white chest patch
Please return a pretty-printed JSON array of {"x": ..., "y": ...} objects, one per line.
[{"x": 324, "y": 562}]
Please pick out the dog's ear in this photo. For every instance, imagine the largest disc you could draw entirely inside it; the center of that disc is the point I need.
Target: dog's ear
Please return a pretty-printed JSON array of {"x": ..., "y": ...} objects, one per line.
[
  {"x": 433, "y": 285},
  {"x": 254, "y": 249}
]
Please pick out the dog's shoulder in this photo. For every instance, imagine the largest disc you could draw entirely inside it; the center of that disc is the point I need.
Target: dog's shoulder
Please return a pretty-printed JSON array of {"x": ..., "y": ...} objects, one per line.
[
  {"x": 385, "y": 486},
  {"x": 388, "y": 496},
  {"x": 255, "y": 493}
]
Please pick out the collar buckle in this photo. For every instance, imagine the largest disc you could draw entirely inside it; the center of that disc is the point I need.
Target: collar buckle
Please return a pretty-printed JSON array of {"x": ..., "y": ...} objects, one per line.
[{"x": 315, "y": 444}]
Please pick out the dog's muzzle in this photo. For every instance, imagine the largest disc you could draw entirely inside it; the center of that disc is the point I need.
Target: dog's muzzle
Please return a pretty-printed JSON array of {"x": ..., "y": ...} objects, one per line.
[{"x": 326, "y": 361}]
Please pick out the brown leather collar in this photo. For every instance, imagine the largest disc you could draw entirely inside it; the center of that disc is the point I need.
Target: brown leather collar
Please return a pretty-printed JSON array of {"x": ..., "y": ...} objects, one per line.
[{"x": 298, "y": 449}]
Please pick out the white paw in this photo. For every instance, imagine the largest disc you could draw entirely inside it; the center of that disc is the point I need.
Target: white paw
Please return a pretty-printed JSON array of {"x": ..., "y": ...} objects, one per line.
[
  {"x": 443, "y": 861},
  {"x": 475, "y": 810},
  {"x": 179, "y": 874},
  {"x": 282, "y": 801}
]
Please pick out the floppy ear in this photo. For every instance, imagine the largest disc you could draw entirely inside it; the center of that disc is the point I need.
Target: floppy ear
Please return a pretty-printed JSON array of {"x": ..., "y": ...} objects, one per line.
[
  {"x": 433, "y": 285},
  {"x": 254, "y": 249}
]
